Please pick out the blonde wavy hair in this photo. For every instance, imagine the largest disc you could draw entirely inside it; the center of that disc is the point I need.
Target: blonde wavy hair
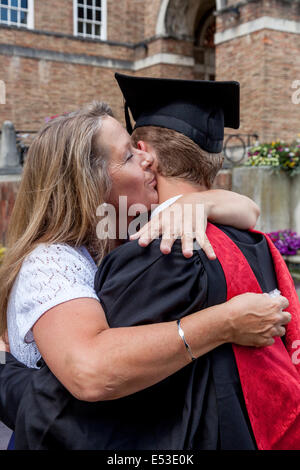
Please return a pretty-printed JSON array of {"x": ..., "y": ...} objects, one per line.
[{"x": 65, "y": 178}]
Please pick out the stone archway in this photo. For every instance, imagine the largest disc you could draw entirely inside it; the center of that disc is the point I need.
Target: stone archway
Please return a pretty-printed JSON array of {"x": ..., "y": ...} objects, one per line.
[
  {"x": 176, "y": 18},
  {"x": 191, "y": 20},
  {"x": 204, "y": 47}
]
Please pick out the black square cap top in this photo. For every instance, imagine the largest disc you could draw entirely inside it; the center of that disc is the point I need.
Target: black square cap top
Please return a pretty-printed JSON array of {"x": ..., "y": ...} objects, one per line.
[{"x": 199, "y": 109}]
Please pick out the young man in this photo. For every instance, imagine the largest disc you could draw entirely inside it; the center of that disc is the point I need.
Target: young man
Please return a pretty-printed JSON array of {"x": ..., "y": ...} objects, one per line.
[
  {"x": 231, "y": 386},
  {"x": 202, "y": 406}
]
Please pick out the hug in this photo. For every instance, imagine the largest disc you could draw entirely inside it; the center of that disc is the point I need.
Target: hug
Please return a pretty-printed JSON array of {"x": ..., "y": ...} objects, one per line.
[{"x": 154, "y": 342}]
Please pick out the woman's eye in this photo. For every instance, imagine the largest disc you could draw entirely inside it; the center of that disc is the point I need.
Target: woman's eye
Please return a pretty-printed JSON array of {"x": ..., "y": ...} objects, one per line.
[{"x": 129, "y": 157}]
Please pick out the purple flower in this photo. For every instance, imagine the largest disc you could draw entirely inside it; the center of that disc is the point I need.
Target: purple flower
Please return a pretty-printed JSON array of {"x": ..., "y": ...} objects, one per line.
[{"x": 287, "y": 242}]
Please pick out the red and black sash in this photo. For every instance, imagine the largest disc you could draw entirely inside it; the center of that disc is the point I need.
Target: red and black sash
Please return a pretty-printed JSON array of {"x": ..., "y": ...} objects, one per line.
[{"x": 270, "y": 376}]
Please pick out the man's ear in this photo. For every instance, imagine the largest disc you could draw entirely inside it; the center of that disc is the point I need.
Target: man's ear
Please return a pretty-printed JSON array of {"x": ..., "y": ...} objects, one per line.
[{"x": 141, "y": 145}]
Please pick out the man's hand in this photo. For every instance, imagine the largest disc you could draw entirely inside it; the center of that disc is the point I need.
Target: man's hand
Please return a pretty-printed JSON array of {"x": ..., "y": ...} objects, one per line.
[{"x": 256, "y": 318}]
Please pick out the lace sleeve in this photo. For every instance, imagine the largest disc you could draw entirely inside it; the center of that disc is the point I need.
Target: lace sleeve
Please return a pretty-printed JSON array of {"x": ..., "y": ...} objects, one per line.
[{"x": 49, "y": 276}]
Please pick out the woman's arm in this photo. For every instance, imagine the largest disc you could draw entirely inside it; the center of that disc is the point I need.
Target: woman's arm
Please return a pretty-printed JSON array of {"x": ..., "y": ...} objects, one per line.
[
  {"x": 215, "y": 205},
  {"x": 229, "y": 208},
  {"x": 95, "y": 362}
]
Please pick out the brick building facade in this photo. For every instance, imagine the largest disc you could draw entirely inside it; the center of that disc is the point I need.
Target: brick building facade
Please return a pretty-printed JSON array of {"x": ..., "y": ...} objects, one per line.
[{"x": 50, "y": 68}]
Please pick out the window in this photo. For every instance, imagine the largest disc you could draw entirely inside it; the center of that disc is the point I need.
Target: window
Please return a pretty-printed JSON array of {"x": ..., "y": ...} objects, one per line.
[
  {"x": 90, "y": 18},
  {"x": 17, "y": 12}
]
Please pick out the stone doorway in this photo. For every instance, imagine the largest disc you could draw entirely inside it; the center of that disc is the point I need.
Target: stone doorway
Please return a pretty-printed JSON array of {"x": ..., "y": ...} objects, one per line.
[{"x": 204, "y": 47}]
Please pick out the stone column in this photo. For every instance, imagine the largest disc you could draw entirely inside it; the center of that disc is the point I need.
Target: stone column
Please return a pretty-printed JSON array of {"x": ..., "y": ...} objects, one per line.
[
  {"x": 295, "y": 203},
  {"x": 9, "y": 155},
  {"x": 271, "y": 191}
]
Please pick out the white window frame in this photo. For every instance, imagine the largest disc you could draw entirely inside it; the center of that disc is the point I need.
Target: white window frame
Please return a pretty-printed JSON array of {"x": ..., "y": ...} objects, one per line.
[
  {"x": 103, "y": 35},
  {"x": 30, "y": 16}
]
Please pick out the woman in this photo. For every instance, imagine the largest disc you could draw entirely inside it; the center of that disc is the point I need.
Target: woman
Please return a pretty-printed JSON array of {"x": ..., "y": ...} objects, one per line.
[{"x": 75, "y": 164}]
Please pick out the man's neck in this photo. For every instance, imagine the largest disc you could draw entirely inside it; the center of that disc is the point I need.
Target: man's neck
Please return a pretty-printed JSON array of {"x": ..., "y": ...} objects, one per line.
[{"x": 170, "y": 187}]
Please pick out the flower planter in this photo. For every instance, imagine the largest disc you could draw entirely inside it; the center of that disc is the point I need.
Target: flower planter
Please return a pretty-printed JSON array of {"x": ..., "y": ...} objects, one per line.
[
  {"x": 293, "y": 263},
  {"x": 276, "y": 193},
  {"x": 295, "y": 203}
]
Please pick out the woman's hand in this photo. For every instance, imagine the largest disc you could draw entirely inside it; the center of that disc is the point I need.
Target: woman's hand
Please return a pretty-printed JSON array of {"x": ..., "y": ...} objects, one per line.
[
  {"x": 255, "y": 319},
  {"x": 187, "y": 218}
]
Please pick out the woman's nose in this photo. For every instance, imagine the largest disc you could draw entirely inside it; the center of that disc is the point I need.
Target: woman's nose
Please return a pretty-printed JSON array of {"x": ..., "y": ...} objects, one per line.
[{"x": 147, "y": 160}]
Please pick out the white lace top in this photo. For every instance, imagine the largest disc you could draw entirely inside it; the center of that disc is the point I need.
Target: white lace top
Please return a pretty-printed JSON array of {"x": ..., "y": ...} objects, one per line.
[{"x": 49, "y": 276}]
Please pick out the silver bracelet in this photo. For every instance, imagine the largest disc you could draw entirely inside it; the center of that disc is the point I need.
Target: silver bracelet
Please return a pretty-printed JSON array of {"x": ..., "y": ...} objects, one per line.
[{"x": 181, "y": 334}]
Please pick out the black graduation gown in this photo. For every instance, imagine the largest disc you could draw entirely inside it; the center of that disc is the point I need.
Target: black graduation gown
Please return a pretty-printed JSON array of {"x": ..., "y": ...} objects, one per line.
[{"x": 199, "y": 407}]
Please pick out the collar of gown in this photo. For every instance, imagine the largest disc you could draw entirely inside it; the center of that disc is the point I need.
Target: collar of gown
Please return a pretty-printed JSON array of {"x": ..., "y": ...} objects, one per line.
[{"x": 164, "y": 205}]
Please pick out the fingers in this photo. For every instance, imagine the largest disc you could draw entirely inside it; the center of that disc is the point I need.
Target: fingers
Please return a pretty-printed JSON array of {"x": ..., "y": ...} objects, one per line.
[
  {"x": 171, "y": 230},
  {"x": 282, "y": 301},
  {"x": 285, "y": 318},
  {"x": 281, "y": 331},
  {"x": 148, "y": 233},
  {"x": 265, "y": 342},
  {"x": 269, "y": 342},
  {"x": 206, "y": 247},
  {"x": 187, "y": 242},
  {"x": 277, "y": 331},
  {"x": 166, "y": 244}
]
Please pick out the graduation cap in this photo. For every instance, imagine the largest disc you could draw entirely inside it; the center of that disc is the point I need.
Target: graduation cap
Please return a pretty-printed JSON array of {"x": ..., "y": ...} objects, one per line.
[{"x": 199, "y": 109}]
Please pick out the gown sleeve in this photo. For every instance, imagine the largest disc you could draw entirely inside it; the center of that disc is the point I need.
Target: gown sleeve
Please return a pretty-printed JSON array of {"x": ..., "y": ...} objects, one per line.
[
  {"x": 14, "y": 378},
  {"x": 135, "y": 286},
  {"x": 141, "y": 285}
]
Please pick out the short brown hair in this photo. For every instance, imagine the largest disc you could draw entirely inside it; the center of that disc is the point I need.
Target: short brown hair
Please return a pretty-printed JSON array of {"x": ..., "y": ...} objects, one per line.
[{"x": 180, "y": 157}]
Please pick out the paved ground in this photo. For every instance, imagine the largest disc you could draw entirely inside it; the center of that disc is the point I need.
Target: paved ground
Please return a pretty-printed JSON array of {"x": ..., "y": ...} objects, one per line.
[{"x": 5, "y": 434}]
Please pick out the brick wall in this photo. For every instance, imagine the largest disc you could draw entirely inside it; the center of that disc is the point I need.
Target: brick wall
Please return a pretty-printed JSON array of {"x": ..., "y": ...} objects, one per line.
[
  {"x": 125, "y": 18},
  {"x": 265, "y": 62},
  {"x": 241, "y": 59},
  {"x": 281, "y": 117},
  {"x": 36, "y": 88},
  {"x": 43, "y": 88},
  {"x": 151, "y": 14},
  {"x": 55, "y": 16},
  {"x": 283, "y": 9},
  {"x": 59, "y": 43}
]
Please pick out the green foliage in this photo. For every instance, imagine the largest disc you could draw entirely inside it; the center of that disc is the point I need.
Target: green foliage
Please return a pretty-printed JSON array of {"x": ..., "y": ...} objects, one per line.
[{"x": 277, "y": 155}]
